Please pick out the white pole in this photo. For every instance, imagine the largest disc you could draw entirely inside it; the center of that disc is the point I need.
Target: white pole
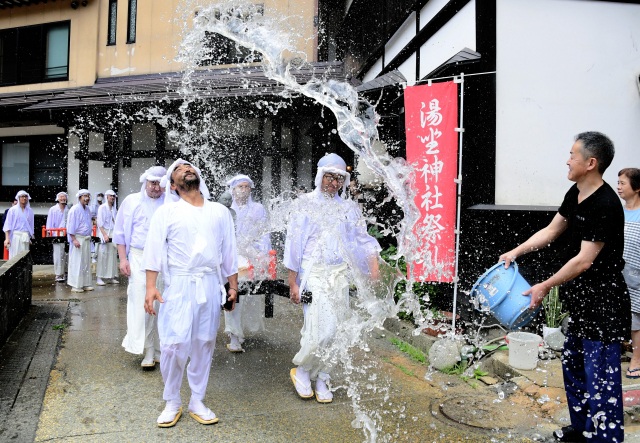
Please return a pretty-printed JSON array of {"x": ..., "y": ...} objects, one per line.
[{"x": 460, "y": 131}]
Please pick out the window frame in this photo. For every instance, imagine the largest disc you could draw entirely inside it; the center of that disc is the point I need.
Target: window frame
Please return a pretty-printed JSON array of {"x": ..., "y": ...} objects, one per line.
[
  {"x": 132, "y": 17},
  {"x": 112, "y": 22},
  {"x": 37, "y": 143},
  {"x": 20, "y": 75}
]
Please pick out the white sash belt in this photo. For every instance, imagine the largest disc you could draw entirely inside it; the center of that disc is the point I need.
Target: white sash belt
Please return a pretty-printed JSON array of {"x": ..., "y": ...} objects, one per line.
[{"x": 196, "y": 275}]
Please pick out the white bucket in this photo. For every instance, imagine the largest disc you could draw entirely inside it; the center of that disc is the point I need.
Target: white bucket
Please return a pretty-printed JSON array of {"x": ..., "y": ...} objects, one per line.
[{"x": 523, "y": 349}]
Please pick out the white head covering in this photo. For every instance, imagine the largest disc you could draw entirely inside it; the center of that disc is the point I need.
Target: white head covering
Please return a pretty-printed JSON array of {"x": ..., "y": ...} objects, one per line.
[
  {"x": 165, "y": 182},
  {"x": 332, "y": 164},
  {"x": 235, "y": 181},
  {"x": 153, "y": 174},
  {"x": 60, "y": 194},
  {"x": 109, "y": 192},
  {"x": 21, "y": 192},
  {"x": 83, "y": 192}
]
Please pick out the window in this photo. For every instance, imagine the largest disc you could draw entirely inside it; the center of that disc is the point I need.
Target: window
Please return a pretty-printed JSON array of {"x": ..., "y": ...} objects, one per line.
[
  {"x": 15, "y": 164},
  {"x": 131, "y": 27},
  {"x": 113, "y": 19},
  {"x": 34, "y": 54},
  {"x": 36, "y": 164},
  {"x": 220, "y": 50}
]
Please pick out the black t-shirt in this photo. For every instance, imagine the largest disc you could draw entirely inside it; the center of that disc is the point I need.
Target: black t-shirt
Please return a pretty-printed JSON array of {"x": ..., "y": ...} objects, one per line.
[{"x": 597, "y": 299}]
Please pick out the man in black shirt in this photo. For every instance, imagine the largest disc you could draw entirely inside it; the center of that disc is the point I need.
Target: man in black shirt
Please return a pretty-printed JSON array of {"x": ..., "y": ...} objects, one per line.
[{"x": 594, "y": 292}]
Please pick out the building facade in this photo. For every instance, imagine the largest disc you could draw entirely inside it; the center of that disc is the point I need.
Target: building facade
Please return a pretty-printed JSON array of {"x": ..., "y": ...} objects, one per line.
[{"x": 90, "y": 97}]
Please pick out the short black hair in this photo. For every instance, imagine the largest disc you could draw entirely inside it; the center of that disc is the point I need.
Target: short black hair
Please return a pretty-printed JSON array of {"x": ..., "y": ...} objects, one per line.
[
  {"x": 633, "y": 174},
  {"x": 598, "y": 146}
]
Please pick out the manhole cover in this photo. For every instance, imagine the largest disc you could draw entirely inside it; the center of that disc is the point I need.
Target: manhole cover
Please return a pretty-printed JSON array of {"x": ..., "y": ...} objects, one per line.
[{"x": 485, "y": 412}]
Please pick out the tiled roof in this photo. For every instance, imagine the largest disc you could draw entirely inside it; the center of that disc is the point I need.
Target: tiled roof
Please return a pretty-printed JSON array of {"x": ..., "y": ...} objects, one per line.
[{"x": 212, "y": 83}]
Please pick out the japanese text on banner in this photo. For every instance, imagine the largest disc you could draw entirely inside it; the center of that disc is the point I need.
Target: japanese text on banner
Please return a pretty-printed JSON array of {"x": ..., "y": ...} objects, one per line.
[{"x": 431, "y": 117}]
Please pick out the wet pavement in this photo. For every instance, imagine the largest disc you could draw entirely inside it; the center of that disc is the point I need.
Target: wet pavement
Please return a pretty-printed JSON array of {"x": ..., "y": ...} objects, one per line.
[{"x": 70, "y": 345}]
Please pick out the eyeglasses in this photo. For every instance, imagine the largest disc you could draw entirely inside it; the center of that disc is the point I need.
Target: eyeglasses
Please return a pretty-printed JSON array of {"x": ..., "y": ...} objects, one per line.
[{"x": 333, "y": 177}]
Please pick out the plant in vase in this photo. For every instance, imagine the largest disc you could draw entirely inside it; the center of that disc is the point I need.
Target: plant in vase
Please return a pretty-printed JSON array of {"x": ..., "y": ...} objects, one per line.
[{"x": 553, "y": 315}]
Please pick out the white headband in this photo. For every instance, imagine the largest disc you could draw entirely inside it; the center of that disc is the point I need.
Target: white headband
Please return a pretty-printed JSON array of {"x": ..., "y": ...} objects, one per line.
[
  {"x": 83, "y": 192},
  {"x": 235, "y": 181},
  {"x": 165, "y": 182},
  {"x": 23, "y": 193},
  {"x": 332, "y": 164}
]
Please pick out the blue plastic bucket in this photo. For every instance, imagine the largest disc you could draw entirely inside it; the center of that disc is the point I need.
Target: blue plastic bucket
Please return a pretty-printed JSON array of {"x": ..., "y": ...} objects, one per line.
[{"x": 499, "y": 290}]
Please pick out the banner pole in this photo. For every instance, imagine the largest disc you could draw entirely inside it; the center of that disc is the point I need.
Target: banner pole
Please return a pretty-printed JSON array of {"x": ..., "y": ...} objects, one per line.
[{"x": 460, "y": 131}]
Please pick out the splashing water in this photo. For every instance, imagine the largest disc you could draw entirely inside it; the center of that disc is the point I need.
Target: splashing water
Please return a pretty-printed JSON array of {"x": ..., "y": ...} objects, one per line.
[
  {"x": 356, "y": 124},
  {"x": 191, "y": 131}
]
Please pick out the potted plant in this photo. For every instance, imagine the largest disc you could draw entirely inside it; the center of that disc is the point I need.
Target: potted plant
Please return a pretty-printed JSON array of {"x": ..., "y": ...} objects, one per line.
[{"x": 553, "y": 315}]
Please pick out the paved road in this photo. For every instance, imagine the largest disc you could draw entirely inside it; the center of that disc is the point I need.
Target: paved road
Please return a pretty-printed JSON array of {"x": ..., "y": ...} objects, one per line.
[{"x": 96, "y": 392}]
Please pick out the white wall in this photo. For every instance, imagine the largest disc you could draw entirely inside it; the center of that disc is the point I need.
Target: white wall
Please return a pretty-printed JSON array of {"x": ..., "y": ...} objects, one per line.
[
  {"x": 458, "y": 33},
  {"x": 563, "y": 67}
]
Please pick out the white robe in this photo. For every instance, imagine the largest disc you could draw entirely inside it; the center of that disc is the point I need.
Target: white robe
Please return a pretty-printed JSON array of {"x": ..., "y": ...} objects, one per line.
[
  {"x": 197, "y": 242},
  {"x": 19, "y": 224},
  {"x": 196, "y": 248},
  {"x": 107, "y": 266},
  {"x": 79, "y": 224},
  {"x": 79, "y": 275},
  {"x": 142, "y": 329},
  {"x": 254, "y": 244},
  {"x": 131, "y": 227},
  {"x": 57, "y": 218},
  {"x": 326, "y": 239}
]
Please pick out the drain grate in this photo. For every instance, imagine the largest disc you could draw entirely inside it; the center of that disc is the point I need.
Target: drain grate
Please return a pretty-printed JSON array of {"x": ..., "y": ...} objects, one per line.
[{"x": 483, "y": 413}]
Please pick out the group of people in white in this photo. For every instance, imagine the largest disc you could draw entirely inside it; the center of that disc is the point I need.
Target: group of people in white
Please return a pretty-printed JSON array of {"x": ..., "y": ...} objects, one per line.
[{"x": 181, "y": 253}]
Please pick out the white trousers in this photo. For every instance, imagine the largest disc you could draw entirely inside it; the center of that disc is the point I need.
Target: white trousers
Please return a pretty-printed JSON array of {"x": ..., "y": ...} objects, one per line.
[
  {"x": 172, "y": 364},
  {"x": 19, "y": 243},
  {"x": 142, "y": 328},
  {"x": 59, "y": 259},
  {"x": 79, "y": 274},
  {"x": 330, "y": 306},
  {"x": 107, "y": 266},
  {"x": 188, "y": 331},
  {"x": 247, "y": 315}
]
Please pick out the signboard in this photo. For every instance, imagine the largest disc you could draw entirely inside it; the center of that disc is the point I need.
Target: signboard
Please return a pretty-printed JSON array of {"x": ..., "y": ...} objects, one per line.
[{"x": 431, "y": 117}]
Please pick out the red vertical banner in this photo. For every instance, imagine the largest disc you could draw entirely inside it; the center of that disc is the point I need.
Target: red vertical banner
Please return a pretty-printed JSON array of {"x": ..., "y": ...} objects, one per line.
[{"x": 431, "y": 117}]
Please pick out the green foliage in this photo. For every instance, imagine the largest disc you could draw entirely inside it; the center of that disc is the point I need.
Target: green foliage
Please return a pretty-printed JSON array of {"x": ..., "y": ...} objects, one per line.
[
  {"x": 406, "y": 371},
  {"x": 59, "y": 326},
  {"x": 412, "y": 351},
  {"x": 552, "y": 305},
  {"x": 457, "y": 369},
  {"x": 426, "y": 293}
]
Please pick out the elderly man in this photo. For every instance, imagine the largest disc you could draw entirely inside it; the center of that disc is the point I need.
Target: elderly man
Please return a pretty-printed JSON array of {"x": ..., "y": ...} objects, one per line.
[
  {"x": 254, "y": 243},
  {"x": 57, "y": 218},
  {"x": 192, "y": 241},
  {"x": 594, "y": 291},
  {"x": 18, "y": 226},
  {"x": 79, "y": 227},
  {"x": 130, "y": 234},
  {"x": 107, "y": 268},
  {"x": 326, "y": 238}
]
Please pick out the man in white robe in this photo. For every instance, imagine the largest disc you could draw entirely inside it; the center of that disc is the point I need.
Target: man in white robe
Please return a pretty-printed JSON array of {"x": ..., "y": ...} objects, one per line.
[
  {"x": 192, "y": 241},
  {"x": 107, "y": 268},
  {"x": 18, "y": 226},
  {"x": 130, "y": 234},
  {"x": 254, "y": 244},
  {"x": 79, "y": 227},
  {"x": 56, "y": 219},
  {"x": 326, "y": 238}
]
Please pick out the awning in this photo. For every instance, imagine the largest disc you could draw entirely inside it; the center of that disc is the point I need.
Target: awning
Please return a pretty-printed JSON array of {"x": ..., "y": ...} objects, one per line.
[
  {"x": 393, "y": 78},
  {"x": 212, "y": 83}
]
